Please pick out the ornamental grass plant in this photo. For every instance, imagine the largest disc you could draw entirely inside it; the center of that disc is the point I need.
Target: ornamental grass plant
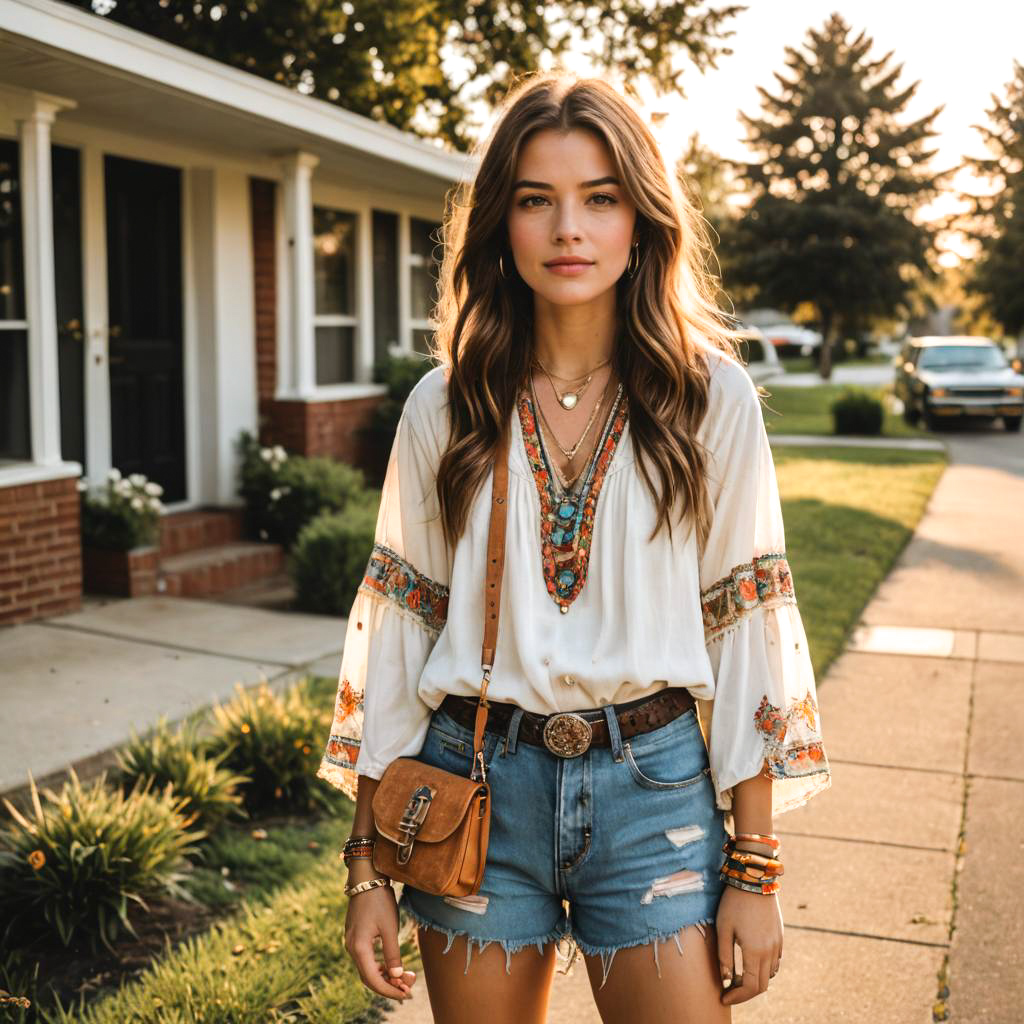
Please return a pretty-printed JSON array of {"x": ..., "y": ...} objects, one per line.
[
  {"x": 71, "y": 865},
  {"x": 176, "y": 759},
  {"x": 274, "y": 741}
]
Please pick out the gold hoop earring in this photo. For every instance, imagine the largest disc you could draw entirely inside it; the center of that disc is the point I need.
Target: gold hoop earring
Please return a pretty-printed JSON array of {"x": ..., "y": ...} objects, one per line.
[
  {"x": 631, "y": 266},
  {"x": 501, "y": 265}
]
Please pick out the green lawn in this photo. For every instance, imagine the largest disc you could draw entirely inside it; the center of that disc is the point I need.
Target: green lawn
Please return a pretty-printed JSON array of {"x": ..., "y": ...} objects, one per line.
[
  {"x": 806, "y": 411},
  {"x": 808, "y": 364},
  {"x": 848, "y": 513}
]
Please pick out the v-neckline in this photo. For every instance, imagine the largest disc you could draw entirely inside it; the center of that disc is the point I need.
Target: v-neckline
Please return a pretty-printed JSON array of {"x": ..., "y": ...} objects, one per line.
[{"x": 572, "y": 517}]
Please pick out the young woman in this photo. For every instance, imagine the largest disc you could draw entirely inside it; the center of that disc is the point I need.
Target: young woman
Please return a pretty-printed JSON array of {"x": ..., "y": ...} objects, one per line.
[{"x": 645, "y": 583}]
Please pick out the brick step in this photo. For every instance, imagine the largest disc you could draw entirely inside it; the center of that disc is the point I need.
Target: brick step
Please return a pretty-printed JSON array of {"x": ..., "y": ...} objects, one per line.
[
  {"x": 214, "y": 570},
  {"x": 199, "y": 528}
]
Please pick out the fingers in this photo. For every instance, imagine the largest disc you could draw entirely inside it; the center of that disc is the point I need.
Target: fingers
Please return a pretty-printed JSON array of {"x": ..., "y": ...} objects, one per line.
[
  {"x": 726, "y": 965},
  {"x": 370, "y": 971},
  {"x": 747, "y": 985},
  {"x": 393, "y": 971}
]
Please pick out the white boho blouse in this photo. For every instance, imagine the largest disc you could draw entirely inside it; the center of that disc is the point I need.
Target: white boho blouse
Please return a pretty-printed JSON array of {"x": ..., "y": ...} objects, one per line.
[{"x": 613, "y": 619}]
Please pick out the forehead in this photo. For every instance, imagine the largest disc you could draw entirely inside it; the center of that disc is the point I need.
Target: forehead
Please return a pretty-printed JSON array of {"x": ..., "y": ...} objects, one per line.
[{"x": 573, "y": 156}]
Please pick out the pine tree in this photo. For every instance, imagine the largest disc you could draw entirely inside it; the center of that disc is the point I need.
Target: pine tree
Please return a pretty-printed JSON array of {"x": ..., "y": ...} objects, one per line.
[
  {"x": 431, "y": 66},
  {"x": 834, "y": 192},
  {"x": 997, "y": 276}
]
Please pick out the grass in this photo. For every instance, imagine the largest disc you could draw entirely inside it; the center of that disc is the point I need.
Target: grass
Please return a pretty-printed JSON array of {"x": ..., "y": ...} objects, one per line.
[
  {"x": 849, "y": 512},
  {"x": 809, "y": 364},
  {"x": 806, "y": 411}
]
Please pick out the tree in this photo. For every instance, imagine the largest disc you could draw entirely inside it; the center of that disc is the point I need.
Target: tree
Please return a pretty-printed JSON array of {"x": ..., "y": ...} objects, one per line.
[
  {"x": 427, "y": 66},
  {"x": 834, "y": 192},
  {"x": 997, "y": 219}
]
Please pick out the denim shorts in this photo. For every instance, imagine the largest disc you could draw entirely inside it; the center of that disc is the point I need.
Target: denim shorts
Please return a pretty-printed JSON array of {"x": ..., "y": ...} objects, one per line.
[{"x": 617, "y": 847}]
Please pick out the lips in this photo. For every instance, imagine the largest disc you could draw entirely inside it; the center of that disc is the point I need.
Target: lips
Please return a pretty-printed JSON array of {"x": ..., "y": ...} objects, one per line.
[{"x": 569, "y": 261}]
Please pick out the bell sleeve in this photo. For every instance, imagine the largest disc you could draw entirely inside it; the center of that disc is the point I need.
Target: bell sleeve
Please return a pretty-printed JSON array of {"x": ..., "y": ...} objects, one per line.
[
  {"x": 398, "y": 613},
  {"x": 764, "y": 713}
]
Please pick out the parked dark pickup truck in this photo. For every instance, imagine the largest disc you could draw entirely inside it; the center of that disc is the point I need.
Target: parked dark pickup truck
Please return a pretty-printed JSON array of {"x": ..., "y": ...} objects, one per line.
[{"x": 940, "y": 379}]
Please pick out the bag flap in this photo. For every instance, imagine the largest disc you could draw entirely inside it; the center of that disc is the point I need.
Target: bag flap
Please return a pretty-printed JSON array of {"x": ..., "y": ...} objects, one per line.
[{"x": 451, "y": 797}]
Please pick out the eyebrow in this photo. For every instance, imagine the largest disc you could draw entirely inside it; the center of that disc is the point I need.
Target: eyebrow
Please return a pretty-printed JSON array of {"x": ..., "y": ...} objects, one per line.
[{"x": 608, "y": 180}]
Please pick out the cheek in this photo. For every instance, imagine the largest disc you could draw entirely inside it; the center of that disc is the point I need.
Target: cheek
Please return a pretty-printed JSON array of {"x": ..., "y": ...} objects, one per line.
[{"x": 525, "y": 234}]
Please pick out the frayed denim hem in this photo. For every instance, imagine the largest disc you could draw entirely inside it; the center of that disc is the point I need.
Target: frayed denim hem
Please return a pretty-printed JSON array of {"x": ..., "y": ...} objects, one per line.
[
  {"x": 510, "y": 946},
  {"x": 607, "y": 953}
]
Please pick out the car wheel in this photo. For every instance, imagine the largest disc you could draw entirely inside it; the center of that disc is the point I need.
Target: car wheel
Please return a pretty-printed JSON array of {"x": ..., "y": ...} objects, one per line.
[{"x": 1012, "y": 423}]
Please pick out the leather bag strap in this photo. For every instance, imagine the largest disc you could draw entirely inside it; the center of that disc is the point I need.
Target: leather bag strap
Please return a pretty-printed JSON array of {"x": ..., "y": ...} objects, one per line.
[{"x": 492, "y": 592}]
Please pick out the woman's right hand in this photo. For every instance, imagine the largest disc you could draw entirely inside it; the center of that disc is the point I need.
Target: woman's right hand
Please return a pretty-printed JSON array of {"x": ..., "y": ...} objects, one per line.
[{"x": 373, "y": 915}]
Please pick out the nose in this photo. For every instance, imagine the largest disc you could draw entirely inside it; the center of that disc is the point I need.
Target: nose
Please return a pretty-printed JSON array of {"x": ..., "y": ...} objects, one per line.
[{"x": 566, "y": 226}]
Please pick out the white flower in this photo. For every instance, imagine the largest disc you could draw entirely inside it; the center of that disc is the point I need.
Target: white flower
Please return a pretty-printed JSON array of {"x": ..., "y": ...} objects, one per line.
[
  {"x": 137, "y": 480},
  {"x": 123, "y": 488},
  {"x": 280, "y": 453},
  {"x": 275, "y": 494},
  {"x": 114, "y": 474},
  {"x": 266, "y": 454},
  {"x": 264, "y": 534},
  {"x": 137, "y": 504},
  {"x": 151, "y": 489},
  {"x": 155, "y": 504},
  {"x": 83, "y": 485}
]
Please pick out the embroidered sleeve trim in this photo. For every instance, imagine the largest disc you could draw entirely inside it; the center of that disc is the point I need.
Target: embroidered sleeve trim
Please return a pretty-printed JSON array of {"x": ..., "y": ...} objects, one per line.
[
  {"x": 765, "y": 582},
  {"x": 793, "y": 746},
  {"x": 337, "y": 766},
  {"x": 391, "y": 577}
]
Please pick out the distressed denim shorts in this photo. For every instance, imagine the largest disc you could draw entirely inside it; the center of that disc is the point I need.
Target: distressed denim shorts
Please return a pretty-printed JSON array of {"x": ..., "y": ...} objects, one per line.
[{"x": 619, "y": 846}]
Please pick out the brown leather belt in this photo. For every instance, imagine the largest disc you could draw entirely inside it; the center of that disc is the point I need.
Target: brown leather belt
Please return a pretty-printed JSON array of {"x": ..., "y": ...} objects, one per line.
[{"x": 570, "y": 733}]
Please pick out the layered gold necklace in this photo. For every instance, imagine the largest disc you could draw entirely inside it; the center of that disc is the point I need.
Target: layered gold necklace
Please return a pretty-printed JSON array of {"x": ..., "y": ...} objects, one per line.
[{"x": 570, "y": 397}]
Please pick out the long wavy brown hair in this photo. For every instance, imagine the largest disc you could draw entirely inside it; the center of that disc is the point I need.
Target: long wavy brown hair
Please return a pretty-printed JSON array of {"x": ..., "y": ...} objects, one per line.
[{"x": 485, "y": 320}]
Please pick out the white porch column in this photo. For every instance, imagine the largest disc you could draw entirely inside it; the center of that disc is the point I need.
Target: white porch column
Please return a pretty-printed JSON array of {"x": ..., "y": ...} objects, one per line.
[
  {"x": 298, "y": 214},
  {"x": 33, "y": 117}
]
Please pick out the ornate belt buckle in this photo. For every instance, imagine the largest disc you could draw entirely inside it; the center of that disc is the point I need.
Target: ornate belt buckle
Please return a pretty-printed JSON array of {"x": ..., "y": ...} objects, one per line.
[{"x": 567, "y": 734}]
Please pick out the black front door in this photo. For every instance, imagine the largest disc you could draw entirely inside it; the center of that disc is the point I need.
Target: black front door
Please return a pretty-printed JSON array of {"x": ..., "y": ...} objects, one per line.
[{"x": 147, "y": 396}]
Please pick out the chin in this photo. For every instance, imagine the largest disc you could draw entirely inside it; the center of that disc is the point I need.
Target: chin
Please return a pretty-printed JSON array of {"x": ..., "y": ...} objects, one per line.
[{"x": 571, "y": 293}]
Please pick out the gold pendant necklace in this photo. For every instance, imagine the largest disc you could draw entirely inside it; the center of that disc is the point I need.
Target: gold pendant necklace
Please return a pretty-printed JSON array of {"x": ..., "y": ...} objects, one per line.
[
  {"x": 569, "y": 453},
  {"x": 569, "y": 399}
]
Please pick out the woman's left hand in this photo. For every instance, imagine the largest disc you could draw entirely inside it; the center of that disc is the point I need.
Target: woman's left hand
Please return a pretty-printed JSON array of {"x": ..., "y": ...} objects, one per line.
[{"x": 754, "y": 922}]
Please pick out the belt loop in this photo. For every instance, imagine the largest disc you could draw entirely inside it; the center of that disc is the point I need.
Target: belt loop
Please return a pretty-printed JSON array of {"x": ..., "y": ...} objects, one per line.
[
  {"x": 614, "y": 736},
  {"x": 512, "y": 733}
]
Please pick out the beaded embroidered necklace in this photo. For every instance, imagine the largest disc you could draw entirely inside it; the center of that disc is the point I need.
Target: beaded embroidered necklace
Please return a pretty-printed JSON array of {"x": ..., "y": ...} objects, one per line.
[{"x": 567, "y": 516}]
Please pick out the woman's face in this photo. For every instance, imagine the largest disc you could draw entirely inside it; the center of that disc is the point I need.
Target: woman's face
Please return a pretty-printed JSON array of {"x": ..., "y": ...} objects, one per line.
[{"x": 567, "y": 202}]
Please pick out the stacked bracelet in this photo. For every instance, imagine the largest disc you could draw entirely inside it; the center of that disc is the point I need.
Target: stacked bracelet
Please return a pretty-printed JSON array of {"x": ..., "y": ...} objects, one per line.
[
  {"x": 357, "y": 848},
  {"x": 752, "y": 872}
]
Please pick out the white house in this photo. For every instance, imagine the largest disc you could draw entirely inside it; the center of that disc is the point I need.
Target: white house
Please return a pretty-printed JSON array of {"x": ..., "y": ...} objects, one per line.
[{"x": 186, "y": 251}]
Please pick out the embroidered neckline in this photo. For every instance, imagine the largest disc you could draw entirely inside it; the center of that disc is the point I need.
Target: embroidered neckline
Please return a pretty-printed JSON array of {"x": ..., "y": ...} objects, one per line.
[{"x": 570, "y": 518}]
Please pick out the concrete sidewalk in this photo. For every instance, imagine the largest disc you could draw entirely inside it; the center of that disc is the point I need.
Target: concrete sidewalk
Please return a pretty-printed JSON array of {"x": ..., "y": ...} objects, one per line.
[
  {"x": 74, "y": 686},
  {"x": 910, "y": 866}
]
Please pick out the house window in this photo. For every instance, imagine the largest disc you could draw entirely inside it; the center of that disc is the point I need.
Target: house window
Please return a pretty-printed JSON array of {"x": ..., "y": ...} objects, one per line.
[
  {"x": 15, "y": 436},
  {"x": 334, "y": 269},
  {"x": 424, "y": 273},
  {"x": 386, "y": 327}
]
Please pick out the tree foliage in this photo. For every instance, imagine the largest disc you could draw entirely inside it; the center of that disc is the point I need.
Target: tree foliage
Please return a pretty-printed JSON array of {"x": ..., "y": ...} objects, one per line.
[
  {"x": 429, "y": 66},
  {"x": 997, "y": 219},
  {"x": 839, "y": 175}
]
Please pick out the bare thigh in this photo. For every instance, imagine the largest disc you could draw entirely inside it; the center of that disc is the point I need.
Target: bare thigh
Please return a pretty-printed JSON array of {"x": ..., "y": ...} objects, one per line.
[
  {"x": 687, "y": 992},
  {"x": 486, "y": 992}
]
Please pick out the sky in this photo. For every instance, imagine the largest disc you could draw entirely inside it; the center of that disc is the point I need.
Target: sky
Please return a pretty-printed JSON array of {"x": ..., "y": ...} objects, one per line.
[{"x": 960, "y": 52}]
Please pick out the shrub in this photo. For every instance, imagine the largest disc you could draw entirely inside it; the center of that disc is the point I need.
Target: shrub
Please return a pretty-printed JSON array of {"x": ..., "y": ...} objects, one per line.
[
  {"x": 210, "y": 790},
  {"x": 124, "y": 514},
  {"x": 284, "y": 492},
  {"x": 274, "y": 741},
  {"x": 330, "y": 555},
  {"x": 857, "y": 412},
  {"x": 71, "y": 867}
]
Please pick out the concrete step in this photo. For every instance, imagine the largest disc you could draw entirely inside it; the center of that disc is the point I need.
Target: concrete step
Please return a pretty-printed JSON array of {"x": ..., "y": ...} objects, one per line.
[
  {"x": 274, "y": 593},
  {"x": 199, "y": 528},
  {"x": 213, "y": 570}
]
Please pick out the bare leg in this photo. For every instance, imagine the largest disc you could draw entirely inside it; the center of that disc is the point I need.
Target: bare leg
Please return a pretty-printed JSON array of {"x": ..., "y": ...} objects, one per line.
[
  {"x": 486, "y": 992},
  {"x": 686, "y": 993}
]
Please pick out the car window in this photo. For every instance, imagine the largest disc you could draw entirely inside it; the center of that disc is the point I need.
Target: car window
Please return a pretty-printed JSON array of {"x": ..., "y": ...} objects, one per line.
[{"x": 962, "y": 357}]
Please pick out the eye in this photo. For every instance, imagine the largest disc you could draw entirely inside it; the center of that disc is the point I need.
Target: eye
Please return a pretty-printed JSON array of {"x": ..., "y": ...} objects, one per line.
[
  {"x": 527, "y": 201},
  {"x": 611, "y": 200}
]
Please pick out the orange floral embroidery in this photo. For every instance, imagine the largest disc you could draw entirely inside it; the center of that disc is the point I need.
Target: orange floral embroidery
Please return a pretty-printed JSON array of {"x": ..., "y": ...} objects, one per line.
[
  {"x": 390, "y": 576},
  {"x": 765, "y": 581}
]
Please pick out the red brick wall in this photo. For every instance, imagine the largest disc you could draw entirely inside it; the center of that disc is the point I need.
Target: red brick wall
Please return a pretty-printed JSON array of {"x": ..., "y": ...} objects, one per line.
[
  {"x": 40, "y": 550},
  {"x": 262, "y": 194},
  {"x": 322, "y": 428}
]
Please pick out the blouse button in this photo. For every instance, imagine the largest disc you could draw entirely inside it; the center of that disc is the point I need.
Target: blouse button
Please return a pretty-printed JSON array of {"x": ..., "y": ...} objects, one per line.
[
  {"x": 568, "y": 680},
  {"x": 547, "y": 661}
]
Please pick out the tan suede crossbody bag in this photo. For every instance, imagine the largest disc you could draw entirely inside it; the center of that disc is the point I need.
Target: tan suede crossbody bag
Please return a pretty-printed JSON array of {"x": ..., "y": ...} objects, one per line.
[{"x": 433, "y": 824}]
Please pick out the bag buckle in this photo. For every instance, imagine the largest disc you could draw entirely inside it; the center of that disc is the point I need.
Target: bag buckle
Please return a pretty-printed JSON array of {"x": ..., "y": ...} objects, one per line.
[
  {"x": 412, "y": 819},
  {"x": 567, "y": 734}
]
